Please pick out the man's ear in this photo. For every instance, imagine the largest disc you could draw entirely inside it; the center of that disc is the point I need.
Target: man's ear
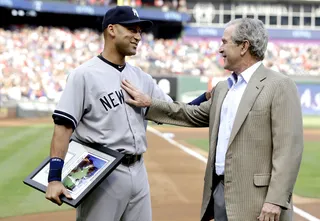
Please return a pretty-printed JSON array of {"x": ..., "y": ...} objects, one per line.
[
  {"x": 245, "y": 47},
  {"x": 111, "y": 30}
]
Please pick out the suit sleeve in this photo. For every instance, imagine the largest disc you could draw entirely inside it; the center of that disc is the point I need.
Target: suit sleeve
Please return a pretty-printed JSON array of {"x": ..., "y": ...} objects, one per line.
[
  {"x": 287, "y": 138},
  {"x": 180, "y": 114}
]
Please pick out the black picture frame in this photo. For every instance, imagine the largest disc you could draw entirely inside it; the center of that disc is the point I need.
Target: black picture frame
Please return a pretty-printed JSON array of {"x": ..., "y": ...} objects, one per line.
[{"x": 99, "y": 151}]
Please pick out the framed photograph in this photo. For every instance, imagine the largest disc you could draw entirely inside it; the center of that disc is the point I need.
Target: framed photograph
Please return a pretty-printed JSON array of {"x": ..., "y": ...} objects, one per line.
[{"x": 84, "y": 168}]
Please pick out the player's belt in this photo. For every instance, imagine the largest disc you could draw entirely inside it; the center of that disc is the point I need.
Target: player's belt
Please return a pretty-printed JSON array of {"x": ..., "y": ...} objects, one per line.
[{"x": 129, "y": 159}]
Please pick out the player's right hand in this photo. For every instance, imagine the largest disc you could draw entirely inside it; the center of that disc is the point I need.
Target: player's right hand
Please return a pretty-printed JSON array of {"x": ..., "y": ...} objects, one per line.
[{"x": 54, "y": 190}]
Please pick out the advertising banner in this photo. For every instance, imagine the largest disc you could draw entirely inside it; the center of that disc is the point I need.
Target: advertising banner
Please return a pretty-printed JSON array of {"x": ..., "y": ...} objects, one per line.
[
  {"x": 310, "y": 98},
  {"x": 168, "y": 84}
]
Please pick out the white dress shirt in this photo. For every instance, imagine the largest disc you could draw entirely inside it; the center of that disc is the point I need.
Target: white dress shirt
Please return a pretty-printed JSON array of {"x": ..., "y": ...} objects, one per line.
[{"x": 237, "y": 85}]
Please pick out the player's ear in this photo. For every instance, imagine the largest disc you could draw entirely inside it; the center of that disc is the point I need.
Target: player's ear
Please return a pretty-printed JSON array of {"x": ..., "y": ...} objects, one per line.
[{"x": 111, "y": 30}]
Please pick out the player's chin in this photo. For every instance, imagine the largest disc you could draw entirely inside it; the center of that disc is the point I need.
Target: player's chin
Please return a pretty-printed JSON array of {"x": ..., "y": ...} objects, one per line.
[{"x": 131, "y": 52}]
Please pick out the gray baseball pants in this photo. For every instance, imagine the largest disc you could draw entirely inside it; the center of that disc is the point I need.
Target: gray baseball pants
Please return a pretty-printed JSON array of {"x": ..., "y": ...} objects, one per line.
[{"x": 123, "y": 196}]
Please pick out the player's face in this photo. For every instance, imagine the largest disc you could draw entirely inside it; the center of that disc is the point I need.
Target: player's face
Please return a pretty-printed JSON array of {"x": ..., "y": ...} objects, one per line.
[
  {"x": 229, "y": 50},
  {"x": 127, "y": 39}
]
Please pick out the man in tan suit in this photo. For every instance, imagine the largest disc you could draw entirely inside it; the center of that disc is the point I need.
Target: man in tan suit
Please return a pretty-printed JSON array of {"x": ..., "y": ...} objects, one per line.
[{"x": 255, "y": 131}]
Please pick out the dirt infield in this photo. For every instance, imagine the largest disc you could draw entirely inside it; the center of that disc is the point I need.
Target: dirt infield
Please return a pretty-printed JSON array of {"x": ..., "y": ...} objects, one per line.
[
  {"x": 310, "y": 206},
  {"x": 176, "y": 179}
]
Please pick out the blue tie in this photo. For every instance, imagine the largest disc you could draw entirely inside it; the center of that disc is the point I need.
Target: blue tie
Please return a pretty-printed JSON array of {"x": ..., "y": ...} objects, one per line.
[{"x": 235, "y": 76}]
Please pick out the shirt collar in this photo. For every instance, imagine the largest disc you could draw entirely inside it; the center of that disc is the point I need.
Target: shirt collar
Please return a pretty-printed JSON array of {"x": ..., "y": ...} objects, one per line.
[
  {"x": 232, "y": 80},
  {"x": 245, "y": 75}
]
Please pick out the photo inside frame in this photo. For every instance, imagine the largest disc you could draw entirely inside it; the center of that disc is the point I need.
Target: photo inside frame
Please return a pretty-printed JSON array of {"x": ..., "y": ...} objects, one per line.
[
  {"x": 84, "y": 168},
  {"x": 83, "y": 174}
]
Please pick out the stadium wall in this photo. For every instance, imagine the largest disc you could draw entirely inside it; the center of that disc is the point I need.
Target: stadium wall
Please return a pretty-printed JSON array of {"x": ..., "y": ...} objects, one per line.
[
  {"x": 189, "y": 87},
  {"x": 180, "y": 88},
  {"x": 26, "y": 109},
  {"x": 8, "y": 110},
  {"x": 310, "y": 98}
]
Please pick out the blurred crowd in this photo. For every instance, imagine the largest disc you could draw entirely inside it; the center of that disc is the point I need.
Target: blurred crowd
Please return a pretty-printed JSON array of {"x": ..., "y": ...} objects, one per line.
[{"x": 34, "y": 62}]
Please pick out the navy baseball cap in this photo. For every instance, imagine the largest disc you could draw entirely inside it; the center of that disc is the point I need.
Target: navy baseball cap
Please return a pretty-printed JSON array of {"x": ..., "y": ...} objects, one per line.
[{"x": 124, "y": 15}]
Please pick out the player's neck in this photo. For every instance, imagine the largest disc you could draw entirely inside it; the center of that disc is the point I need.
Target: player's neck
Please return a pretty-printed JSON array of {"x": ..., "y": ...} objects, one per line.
[{"x": 114, "y": 58}]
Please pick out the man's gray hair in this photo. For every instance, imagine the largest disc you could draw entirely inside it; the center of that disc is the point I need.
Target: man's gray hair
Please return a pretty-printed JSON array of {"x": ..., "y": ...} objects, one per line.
[{"x": 253, "y": 31}]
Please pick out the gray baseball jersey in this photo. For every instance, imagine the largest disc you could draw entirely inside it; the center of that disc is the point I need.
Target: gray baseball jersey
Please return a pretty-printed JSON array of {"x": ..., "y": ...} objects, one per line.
[{"x": 94, "y": 103}]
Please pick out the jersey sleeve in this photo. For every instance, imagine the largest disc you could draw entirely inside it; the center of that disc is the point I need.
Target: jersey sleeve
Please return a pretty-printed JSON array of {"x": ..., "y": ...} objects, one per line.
[
  {"x": 199, "y": 100},
  {"x": 70, "y": 107},
  {"x": 157, "y": 92}
]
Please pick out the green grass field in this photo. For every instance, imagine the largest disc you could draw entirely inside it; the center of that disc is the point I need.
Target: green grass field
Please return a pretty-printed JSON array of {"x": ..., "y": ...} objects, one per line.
[
  {"x": 308, "y": 182},
  {"x": 21, "y": 150},
  {"x": 311, "y": 122}
]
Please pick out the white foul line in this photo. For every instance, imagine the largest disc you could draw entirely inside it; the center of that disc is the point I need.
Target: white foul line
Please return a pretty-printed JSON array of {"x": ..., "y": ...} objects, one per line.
[{"x": 298, "y": 211}]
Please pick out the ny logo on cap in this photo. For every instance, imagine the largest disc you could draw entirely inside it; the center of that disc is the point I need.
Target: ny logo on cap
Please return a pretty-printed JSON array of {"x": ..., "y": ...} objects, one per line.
[{"x": 135, "y": 13}]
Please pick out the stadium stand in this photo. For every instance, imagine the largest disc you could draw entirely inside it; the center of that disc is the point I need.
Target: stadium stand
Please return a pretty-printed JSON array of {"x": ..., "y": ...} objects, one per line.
[
  {"x": 34, "y": 61},
  {"x": 36, "y": 58}
]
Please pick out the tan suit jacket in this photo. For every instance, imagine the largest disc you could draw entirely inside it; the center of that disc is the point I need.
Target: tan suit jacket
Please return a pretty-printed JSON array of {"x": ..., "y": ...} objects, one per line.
[{"x": 265, "y": 146}]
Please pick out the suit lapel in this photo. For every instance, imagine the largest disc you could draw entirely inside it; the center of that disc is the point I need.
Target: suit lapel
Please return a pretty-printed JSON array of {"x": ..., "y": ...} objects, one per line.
[
  {"x": 253, "y": 89},
  {"x": 215, "y": 126}
]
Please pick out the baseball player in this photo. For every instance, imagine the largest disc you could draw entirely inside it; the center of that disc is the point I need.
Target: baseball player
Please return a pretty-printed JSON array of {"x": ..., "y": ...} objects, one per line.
[{"x": 92, "y": 109}]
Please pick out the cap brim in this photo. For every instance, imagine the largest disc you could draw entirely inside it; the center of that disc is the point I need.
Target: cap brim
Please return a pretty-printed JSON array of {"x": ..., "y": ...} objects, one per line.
[{"x": 144, "y": 24}]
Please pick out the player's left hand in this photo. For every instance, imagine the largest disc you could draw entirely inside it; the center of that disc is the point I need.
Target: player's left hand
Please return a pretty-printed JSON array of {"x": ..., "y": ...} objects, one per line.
[
  {"x": 139, "y": 99},
  {"x": 54, "y": 190},
  {"x": 270, "y": 212},
  {"x": 208, "y": 95}
]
